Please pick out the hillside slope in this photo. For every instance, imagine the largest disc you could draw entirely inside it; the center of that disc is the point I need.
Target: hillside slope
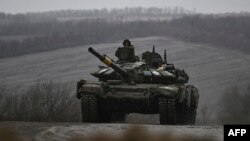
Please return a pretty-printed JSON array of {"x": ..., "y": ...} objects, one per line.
[{"x": 212, "y": 70}]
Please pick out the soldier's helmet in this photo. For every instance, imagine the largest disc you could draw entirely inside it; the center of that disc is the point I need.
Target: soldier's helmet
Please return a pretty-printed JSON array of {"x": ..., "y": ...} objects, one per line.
[{"x": 126, "y": 42}]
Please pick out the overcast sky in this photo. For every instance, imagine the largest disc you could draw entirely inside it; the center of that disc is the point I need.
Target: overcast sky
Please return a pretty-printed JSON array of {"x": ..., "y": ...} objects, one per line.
[{"x": 205, "y": 6}]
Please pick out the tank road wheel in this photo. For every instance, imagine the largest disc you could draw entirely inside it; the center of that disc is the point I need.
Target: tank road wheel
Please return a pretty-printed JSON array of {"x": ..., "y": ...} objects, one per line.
[
  {"x": 167, "y": 111},
  {"x": 89, "y": 107}
]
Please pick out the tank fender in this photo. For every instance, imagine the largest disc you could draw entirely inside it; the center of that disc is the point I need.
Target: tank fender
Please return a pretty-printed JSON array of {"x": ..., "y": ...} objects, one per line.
[
  {"x": 91, "y": 87},
  {"x": 78, "y": 87},
  {"x": 192, "y": 96},
  {"x": 188, "y": 95},
  {"x": 195, "y": 97},
  {"x": 168, "y": 91},
  {"x": 182, "y": 94}
]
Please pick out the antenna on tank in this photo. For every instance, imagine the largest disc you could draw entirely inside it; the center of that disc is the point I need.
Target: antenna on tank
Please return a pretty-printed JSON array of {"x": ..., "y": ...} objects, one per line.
[
  {"x": 153, "y": 49},
  {"x": 165, "y": 56}
]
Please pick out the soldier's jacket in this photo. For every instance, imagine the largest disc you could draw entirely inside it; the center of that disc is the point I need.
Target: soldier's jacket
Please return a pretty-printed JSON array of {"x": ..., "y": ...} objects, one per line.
[{"x": 126, "y": 54}]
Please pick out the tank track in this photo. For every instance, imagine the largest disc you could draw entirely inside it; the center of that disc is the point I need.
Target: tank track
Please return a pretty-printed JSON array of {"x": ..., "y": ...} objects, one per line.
[
  {"x": 91, "y": 111},
  {"x": 190, "y": 111},
  {"x": 192, "y": 114},
  {"x": 167, "y": 111},
  {"x": 193, "y": 107},
  {"x": 89, "y": 107}
]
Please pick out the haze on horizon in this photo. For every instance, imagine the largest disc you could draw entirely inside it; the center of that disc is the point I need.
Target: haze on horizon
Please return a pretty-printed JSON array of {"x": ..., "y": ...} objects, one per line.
[{"x": 203, "y": 6}]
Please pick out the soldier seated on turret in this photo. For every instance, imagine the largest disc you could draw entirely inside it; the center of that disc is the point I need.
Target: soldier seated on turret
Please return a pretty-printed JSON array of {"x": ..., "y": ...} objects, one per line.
[{"x": 126, "y": 53}]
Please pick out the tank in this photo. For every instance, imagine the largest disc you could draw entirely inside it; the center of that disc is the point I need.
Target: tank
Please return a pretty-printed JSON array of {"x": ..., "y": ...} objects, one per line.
[{"x": 145, "y": 84}]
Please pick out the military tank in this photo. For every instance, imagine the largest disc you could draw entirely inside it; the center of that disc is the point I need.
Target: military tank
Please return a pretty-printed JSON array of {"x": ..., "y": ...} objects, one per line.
[{"x": 145, "y": 84}]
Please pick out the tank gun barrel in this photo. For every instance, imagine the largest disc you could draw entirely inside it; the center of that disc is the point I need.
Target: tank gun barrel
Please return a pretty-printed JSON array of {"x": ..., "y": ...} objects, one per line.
[{"x": 109, "y": 63}]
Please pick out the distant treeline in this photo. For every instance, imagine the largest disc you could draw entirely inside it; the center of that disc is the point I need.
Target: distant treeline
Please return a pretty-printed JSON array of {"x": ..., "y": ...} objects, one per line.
[
  {"x": 168, "y": 12},
  {"x": 232, "y": 32}
]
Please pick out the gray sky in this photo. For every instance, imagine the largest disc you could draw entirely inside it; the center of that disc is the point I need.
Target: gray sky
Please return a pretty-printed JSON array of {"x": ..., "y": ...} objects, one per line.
[{"x": 205, "y": 6}]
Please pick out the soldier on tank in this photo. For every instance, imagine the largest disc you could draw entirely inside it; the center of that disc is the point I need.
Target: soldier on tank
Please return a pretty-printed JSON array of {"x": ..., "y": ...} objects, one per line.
[{"x": 126, "y": 53}]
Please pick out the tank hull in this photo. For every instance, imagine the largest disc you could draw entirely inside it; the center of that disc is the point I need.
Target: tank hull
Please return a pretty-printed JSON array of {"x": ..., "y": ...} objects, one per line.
[{"x": 140, "y": 98}]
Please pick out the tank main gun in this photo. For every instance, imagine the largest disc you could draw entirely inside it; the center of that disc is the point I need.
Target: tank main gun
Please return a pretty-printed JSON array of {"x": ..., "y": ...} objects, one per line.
[{"x": 107, "y": 61}]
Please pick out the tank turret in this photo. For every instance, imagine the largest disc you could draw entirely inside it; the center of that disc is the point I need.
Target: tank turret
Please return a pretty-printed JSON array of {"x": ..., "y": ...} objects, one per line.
[
  {"x": 106, "y": 60},
  {"x": 150, "y": 68}
]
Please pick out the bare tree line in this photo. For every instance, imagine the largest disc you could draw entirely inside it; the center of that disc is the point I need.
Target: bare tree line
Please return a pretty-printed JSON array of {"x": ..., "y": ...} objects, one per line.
[
  {"x": 234, "y": 106},
  {"x": 6, "y": 18},
  {"x": 231, "y": 108},
  {"x": 42, "y": 101}
]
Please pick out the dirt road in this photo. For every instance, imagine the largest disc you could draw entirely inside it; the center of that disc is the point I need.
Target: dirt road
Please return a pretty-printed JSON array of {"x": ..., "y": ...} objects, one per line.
[{"x": 66, "y": 131}]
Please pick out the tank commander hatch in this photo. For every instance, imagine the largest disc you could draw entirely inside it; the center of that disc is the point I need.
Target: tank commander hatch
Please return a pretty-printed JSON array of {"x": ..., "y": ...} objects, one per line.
[{"x": 126, "y": 53}]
